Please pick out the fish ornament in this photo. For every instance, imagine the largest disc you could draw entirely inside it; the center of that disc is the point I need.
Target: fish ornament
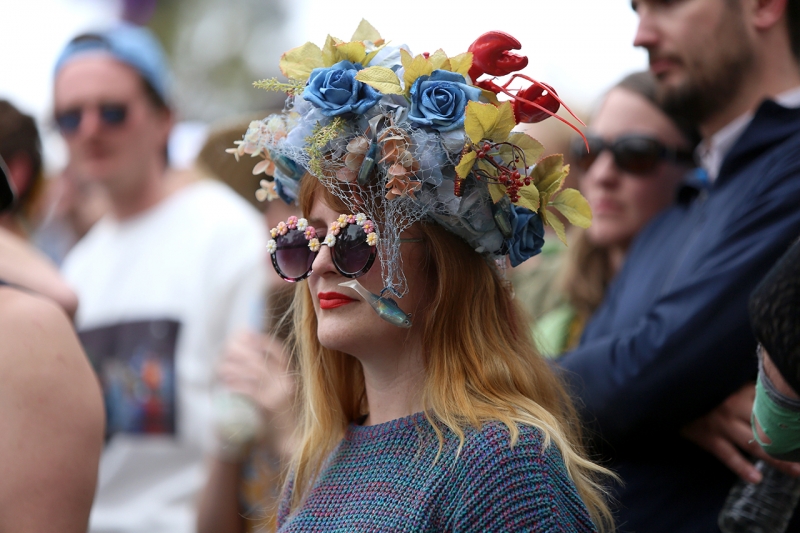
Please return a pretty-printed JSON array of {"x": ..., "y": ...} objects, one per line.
[{"x": 386, "y": 308}]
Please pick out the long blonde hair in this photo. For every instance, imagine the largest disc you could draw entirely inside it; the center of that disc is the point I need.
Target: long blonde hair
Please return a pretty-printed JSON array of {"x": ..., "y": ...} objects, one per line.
[{"x": 481, "y": 365}]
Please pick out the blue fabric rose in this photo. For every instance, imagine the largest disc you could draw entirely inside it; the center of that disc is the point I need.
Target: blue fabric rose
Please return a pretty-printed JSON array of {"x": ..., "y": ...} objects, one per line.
[
  {"x": 528, "y": 237},
  {"x": 440, "y": 100},
  {"x": 335, "y": 90}
]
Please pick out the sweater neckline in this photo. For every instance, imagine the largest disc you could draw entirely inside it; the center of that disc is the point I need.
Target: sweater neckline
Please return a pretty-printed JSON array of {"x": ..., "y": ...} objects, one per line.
[{"x": 356, "y": 431}]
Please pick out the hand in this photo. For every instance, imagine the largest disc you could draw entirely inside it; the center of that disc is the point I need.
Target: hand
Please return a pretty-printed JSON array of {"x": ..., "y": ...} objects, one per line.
[
  {"x": 725, "y": 431},
  {"x": 256, "y": 366}
]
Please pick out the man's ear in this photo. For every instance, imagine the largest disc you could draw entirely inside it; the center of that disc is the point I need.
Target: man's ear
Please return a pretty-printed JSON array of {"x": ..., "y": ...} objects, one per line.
[{"x": 766, "y": 13}]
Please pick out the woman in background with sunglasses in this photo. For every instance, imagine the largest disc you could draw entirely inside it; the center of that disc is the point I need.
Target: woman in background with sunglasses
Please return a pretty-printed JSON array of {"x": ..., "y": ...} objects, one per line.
[
  {"x": 638, "y": 155},
  {"x": 424, "y": 405}
]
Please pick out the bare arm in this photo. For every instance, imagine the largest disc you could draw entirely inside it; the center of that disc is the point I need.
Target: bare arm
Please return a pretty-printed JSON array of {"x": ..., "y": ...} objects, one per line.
[
  {"x": 51, "y": 412},
  {"x": 23, "y": 265}
]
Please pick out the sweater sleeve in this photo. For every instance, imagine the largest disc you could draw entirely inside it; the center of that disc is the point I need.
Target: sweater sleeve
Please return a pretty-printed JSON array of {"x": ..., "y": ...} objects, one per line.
[{"x": 524, "y": 488}]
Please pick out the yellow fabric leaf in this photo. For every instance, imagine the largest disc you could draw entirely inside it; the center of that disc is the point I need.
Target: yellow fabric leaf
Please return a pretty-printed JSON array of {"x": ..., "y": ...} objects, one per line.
[
  {"x": 372, "y": 54},
  {"x": 297, "y": 63},
  {"x": 355, "y": 52},
  {"x": 405, "y": 58},
  {"x": 497, "y": 191},
  {"x": 574, "y": 207},
  {"x": 330, "y": 55},
  {"x": 532, "y": 148},
  {"x": 381, "y": 78},
  {"x": 439, "y": 60},
  {"x": 419, "y": 66},
  {"x": 366, "y": 32},
  {"x": 529, "y": 197},
  {"x": 485, "y": 121},
  {"x": 490, "y": 97},
  {"x": 462, "y": 63},
  {"x": 558, "y": 226},
  {"x": 465, "y": 165},
  {"x": 549, "y": 173}
]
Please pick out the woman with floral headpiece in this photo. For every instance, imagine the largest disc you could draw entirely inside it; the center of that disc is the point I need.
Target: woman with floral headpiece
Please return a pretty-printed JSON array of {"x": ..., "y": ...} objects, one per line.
[{"x": 425, "y": 406}]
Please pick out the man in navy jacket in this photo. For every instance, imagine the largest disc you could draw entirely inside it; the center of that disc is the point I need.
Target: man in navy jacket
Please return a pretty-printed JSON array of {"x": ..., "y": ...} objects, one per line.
[{"x": 672, "y": 339}]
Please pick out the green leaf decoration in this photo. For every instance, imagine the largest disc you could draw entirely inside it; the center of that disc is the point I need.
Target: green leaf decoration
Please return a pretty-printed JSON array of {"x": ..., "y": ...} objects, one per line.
[
  {"x": 293, "y": 87},
  {"x": 366, "y": 32},
  {"x": 318, "y": 140},
  {"x": 465, "y": 165},
  {"x": 381, "y": 78},
  {"x": 532, "y": 148},
  {"x": 439, "y": 60},
  {"x": 497, "y": 191},
  {"x": 485, "y": 121},
  {"x": 529, "y": 197},
  {"x": 557, "y": 225},
  {"x": 574, "y": 207},
  {"x": 461, "y": 63},
  {"x": 297, "y": 63},
  {"x": 413, "y": 68}
]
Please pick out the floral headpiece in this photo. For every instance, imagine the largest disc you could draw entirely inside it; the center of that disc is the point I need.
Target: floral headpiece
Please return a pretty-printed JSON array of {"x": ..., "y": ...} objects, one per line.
[{"x": 400, "y": 138}]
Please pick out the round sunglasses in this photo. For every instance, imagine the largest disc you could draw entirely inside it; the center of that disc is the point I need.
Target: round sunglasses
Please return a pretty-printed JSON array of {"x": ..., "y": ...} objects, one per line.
[
  {"x": 352, "y": 240},
  {"x": 69, "y": 121},
  {"x": 636, "y": 154}
]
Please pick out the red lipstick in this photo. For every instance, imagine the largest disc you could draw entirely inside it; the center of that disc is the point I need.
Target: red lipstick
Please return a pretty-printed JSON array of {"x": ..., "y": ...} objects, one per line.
[{"x": 332, "y": 300}]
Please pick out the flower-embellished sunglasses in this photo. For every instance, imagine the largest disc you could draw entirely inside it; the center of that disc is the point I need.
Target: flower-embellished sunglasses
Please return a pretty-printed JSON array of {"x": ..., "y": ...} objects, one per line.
[
  {"x": 637, "y": 154},
  {"x": 295, "y": 244}
]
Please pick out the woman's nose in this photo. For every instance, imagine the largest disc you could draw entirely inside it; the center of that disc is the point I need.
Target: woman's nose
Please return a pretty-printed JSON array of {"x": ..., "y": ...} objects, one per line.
[{"x": 323, "y": 263}]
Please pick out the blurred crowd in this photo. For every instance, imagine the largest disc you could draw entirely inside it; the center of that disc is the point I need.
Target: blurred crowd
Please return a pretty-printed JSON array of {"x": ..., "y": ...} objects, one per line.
[{"x": 147, "y": 343}]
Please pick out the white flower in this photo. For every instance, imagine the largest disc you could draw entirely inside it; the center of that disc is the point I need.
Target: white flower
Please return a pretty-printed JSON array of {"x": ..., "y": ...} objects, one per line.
[
  {"x": 272, "y": 246},
  {"x": 330, "y": 239},
  {"x": 360, "y": 219},
  {"x": 372, "y": 239},
  {"x": 302, "y": 224}
]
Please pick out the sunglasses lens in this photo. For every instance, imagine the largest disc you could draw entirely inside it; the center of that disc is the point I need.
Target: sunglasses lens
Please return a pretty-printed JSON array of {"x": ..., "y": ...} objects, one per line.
[
  {"x": 583, "y": 158},
  {"x": 293, "y": 257},
  {"x": 113, "y": 114},
  {"x": 351, "y": 253},
  {"x": 638, "y": 155},
  {"x": 68, "y": 121}
]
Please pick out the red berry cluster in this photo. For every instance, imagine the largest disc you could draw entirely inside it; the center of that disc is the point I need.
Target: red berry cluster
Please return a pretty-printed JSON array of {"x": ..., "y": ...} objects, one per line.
[{"x": 508, "y": 176}]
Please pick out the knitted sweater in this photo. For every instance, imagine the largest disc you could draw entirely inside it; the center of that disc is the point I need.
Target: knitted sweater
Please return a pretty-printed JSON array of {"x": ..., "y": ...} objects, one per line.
[{"x": 387, "y": 478}]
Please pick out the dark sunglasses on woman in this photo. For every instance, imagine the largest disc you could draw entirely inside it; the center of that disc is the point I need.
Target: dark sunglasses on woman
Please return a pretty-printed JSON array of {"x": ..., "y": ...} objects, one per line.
[
  {"x": 69, "y": 120},
  {"x": 636, "y": 154}
]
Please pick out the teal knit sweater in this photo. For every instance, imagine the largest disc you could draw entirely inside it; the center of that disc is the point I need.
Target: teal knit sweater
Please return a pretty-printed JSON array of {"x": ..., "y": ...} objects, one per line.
[{"x": 386, "y": 478}]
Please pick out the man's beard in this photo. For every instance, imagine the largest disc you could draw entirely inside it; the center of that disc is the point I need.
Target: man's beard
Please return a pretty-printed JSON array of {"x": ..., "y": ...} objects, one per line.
[{"x": 711, "y": 85}]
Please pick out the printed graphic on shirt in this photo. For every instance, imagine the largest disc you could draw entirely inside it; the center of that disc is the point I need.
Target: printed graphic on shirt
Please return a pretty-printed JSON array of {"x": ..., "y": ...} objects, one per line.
[{"x": 136, "y": 365}]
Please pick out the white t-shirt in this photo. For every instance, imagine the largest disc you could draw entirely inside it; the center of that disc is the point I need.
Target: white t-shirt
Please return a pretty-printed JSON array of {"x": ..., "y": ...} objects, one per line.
[{"x": 159, "y": 294}]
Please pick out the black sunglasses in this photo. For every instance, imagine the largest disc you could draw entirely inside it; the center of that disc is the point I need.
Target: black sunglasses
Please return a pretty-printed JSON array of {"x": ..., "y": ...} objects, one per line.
[
  {"x": 110, "y": 114},
  {"x": 637, "y": 154},
  {"x": 294, "y": 246},
  {"x": 7, "y": 194}
]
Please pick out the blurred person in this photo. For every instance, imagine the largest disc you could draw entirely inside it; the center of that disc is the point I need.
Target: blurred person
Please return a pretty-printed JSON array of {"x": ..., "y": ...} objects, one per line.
[
  {"x": 21, "y": 148},
  {"x": 638, "y": 155},
  {"x": 51, "y": 409},
  {"x": 775, "y": 317},
  {"x": 163, "y": 278},
  {"x": 671, "y": 340},
  {"x": 245, "y": 477}
]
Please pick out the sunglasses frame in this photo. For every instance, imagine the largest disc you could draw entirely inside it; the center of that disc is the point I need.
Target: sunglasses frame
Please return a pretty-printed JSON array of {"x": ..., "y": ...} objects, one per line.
[
  {"x": 301, "y": 224},
  {"x": 665, "y": 153},
  {"x": 104, "y": 112}
]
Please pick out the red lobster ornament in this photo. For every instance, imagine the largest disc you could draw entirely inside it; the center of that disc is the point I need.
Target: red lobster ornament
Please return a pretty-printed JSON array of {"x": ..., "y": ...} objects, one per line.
[{"x": 493, "y": 54}]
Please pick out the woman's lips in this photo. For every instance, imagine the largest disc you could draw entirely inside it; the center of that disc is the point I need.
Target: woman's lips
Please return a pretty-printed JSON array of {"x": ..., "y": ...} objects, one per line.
[{"x": 332, "y": 300}]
